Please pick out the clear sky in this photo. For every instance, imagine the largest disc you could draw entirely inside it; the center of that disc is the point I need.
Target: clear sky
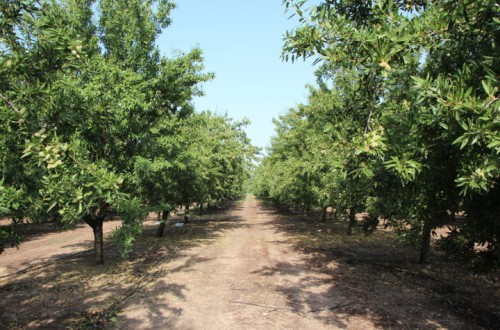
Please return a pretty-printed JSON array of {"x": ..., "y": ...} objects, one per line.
[{"x": 241, "y": 41}]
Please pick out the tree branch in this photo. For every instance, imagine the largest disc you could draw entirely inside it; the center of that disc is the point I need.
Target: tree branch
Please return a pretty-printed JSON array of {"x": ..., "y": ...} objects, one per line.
[
  {"x": 9, "y": 103},
  {"x": 492, "y": 101}
]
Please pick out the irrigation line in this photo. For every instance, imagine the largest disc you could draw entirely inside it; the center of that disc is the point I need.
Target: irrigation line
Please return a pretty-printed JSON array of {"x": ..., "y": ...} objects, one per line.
[
  {"x": 48, "y": 263},
  {"x": 409, "y": 283},
  {"x": 141, "y": 283},
  {"x": 274, "y": 308},
  {"x": 331, "y": 307}
]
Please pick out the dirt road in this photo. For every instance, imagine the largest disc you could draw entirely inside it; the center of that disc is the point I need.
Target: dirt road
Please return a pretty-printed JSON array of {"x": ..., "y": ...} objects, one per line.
[{"x": 250, "y": 278}]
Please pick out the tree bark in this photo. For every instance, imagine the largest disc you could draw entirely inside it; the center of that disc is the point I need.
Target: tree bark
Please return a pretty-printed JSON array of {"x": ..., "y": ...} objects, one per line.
[
  {"x": 99, "y": 241},
  {"x": 323, "y": 215},
  {"x": 425, "y": 245},
  {"x": 186, "y": 214},
  {"x": 352, "y": 220},
  {"x": 95, "y": 219},
  {"x": 163, "y": 221},
  {"x": 453, "y": 215}
]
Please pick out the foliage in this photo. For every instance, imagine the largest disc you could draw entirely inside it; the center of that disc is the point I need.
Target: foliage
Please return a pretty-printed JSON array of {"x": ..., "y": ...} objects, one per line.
[
  {"x": 94, "y": 119},
  {"x": 201, "y": 158},
  {"x": 132, "y": 213},
  {"x": 404, "y": 118}
]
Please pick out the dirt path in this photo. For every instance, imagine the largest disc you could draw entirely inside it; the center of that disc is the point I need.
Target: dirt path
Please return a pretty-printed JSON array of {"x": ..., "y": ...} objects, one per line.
[{"x": 250, "y": 278}]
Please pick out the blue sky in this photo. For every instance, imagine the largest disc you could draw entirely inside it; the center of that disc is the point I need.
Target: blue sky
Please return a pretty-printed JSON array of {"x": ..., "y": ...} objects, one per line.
[{"x": 241, "y": 42}]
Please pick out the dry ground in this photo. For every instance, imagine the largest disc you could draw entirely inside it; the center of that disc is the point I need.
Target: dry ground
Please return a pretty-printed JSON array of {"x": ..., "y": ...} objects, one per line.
[{"x": 246, "y": 268}]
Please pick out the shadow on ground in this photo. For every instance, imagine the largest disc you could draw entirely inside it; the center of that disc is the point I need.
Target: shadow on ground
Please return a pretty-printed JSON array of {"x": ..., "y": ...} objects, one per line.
[
  {"x": 69, "y": 291},
  {"x": 376, "y": 278}
]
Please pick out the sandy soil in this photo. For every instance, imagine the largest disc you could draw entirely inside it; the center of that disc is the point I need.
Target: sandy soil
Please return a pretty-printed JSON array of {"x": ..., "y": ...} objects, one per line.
[
  {"x": 247, "y": 268},
  {"x": 251, "y": 278}
]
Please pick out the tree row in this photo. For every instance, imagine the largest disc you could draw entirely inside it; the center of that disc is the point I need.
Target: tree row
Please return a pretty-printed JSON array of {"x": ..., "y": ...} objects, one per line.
[
  {"x": 403, "y": 124},
  {"x": 95, "y": 120}
]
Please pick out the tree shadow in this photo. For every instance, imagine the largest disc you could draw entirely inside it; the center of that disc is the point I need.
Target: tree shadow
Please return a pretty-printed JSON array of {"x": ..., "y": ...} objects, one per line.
[
  {"x": 344, "y": 279},
  {"x": 69, "y": 291},
  {"x": 152, "y": 304}
]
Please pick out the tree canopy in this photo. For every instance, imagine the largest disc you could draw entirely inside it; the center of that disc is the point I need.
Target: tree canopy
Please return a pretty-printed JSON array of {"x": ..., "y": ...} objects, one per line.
[
  {"x": 404, "y": 122},
  {"x": 94, "y": 119}
]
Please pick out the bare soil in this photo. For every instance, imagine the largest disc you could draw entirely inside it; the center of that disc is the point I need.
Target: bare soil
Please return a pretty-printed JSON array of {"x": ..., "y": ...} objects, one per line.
[{"x": 248, "y": 267}]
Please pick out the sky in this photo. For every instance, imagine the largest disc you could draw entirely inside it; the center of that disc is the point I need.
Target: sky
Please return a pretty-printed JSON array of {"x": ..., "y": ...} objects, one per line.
[{"x": 241, "y": 41}]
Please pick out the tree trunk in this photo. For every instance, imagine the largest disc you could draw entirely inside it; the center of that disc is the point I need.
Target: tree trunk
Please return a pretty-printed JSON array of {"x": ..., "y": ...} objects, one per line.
[
  {"x": 161, "y": 227},
  {"x": 323, "y": 215},
  {"x": 99, "y": 241},
  {"x": 186, "y": 214},
  {"x": 201, "y": 209},
  {"x": 425, "y": 245},
  {"x": 352, "y": 220},
  {"x": 453, "y": 215},
  {"x": 95, "y": 220}
]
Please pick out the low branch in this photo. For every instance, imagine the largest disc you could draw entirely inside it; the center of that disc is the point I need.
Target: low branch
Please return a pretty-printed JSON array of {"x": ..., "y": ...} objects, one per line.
[
  {"x": 372, "y": 108},
  {"x": 9, "y": 103},
  {"x": 491, "y": 102}
]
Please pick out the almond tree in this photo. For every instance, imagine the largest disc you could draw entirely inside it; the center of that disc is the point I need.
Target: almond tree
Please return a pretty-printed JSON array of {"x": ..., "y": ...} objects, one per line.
[
  {"x": 78, "y": 102},
  {"x": 424, "y": 75}
]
